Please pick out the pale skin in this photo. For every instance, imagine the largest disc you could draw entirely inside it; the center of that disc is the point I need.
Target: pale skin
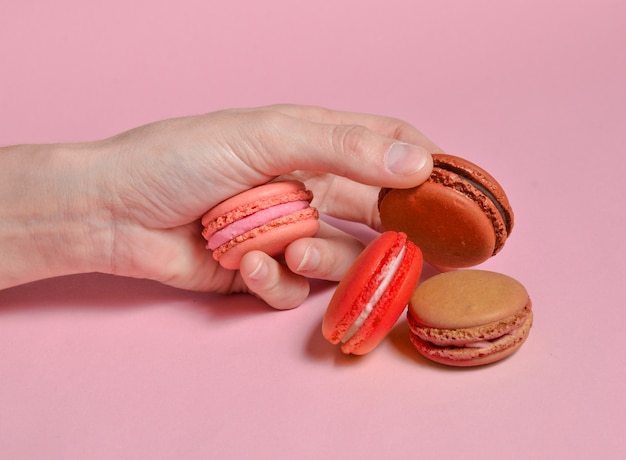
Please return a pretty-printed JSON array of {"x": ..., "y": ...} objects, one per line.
[{"x": 130, "y": 205}]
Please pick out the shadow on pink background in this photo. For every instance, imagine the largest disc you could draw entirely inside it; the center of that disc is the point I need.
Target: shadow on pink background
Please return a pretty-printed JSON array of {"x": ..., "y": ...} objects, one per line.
[{"x": 94, "y": 366}]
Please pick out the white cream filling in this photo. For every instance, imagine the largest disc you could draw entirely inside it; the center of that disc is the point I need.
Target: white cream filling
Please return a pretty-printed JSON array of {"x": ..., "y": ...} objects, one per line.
[{"x": 392, "y": 268}]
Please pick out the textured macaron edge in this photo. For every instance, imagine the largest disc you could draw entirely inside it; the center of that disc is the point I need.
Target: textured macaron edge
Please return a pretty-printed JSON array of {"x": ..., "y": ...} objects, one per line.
[
  {"x": 299, "y": 224},
  {"x": 303, "y": 214},
  {"x": 463, "y": 336},
  {"x": 465, "y": 356},
  {"x": 252, "y": 201},
  {"x": 473, "y": 173},
  {"x": 500, "y": 220}
]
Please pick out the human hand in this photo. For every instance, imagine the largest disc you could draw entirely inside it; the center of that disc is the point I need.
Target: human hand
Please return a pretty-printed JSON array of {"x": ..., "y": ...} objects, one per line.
[{"x": 156, "y": 182}]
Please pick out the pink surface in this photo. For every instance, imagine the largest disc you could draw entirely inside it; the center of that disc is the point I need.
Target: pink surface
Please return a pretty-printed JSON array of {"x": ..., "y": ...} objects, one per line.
[{"x": 99, "y": 367}]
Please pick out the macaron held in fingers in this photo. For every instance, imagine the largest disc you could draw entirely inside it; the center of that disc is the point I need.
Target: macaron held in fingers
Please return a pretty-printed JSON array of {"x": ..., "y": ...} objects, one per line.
[
  {"x": 469, "y": 317},
  {"x": 459, "y": 217},
  {"x": 373, "y": 294},
  {"x": 266, "y": 218}
]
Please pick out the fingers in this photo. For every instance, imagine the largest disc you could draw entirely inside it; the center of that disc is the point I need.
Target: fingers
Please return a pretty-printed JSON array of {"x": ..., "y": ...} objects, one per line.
[
  {"x": 273, "y": 282},
  {"x": 287, "y": 143},
  {"x": 328, "y": 257},
  {"x": 386, "y": 126}
]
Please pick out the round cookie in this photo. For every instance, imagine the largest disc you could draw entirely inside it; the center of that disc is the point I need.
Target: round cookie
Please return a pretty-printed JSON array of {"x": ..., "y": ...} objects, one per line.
[
  {"x": 373, "y": 294},
  {"x": 459, "y": 217},
  {"x": 266, "y": 218},
  {"x": 469, "y": 317}
]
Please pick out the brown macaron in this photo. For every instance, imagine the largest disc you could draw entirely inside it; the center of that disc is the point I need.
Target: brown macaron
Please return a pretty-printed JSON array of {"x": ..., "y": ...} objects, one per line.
[
  {"x": 459, "y": 217},
  {"x": 469, "y": 317}
]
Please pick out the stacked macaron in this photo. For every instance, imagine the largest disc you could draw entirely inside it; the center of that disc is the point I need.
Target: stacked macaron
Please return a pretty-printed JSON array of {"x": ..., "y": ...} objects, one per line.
[{"x": 469, "y": 317}]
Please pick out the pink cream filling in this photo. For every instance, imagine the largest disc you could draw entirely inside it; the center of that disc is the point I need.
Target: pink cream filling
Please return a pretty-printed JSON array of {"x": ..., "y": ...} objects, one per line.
[{"x": 253, "y": 221}]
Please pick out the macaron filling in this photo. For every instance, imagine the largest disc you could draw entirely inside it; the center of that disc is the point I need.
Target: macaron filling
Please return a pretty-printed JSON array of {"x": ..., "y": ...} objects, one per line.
[
  {"x": 386, "y": 277},
  {"x": 253, "y": 221}
]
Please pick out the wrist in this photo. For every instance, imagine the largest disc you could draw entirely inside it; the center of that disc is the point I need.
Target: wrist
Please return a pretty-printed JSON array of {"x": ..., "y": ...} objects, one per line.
[{"x": 53, "y": 222}]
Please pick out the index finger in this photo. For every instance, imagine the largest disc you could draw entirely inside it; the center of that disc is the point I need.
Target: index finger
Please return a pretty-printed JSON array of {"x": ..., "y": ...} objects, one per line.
[{"x": 386, "y": 126}]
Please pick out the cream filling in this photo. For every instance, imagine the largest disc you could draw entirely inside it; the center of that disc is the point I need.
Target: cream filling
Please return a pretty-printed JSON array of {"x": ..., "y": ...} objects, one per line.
[{"x": 392, "y": 268}]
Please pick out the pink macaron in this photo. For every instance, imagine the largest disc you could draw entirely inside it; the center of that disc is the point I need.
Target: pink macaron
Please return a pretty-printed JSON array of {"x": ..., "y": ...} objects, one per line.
[
  {"x": 469, "y": 317},
  {"x": 373, "y": 294},
  {"x": 266, "y": 218}
]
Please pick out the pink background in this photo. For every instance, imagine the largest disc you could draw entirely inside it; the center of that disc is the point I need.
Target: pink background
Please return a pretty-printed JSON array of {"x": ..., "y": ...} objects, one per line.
[{"x": 94, "y": 366}]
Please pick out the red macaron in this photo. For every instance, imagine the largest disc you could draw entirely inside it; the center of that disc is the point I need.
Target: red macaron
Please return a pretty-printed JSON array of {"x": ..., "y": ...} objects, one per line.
[
  {"x": 373, "y": 294},
  {"x": 266, "y": 218}
]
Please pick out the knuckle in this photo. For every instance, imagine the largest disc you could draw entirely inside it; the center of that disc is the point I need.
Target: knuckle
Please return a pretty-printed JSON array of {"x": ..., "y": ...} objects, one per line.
[{"x": 349, "y": 139}]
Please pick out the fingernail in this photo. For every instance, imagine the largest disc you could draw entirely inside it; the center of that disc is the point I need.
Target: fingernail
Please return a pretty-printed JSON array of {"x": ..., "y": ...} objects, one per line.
[
  {"x": 405, "y": 158},
  {"x": 260, "y": 271},
  {"x": 310, "y": 260}
]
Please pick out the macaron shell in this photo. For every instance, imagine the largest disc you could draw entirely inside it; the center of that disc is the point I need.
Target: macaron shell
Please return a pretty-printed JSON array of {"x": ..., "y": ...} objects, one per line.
[
  {"x": 467, "y": 298},
  {"x": 469, "y": 356},
  {"x": 356, "y": 288},
  {"x": 271, "y": 238},
  {"x": 451, "y": 230}
]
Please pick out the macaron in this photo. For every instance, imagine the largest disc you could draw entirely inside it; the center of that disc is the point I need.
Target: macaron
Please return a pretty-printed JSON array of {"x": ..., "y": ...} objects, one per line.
[
  {"x": 266, "y": 218},
  {"x": 459, "y": 217},
  {"x": 373, "y": 294},
  {"x": 469, "y": 317}
]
